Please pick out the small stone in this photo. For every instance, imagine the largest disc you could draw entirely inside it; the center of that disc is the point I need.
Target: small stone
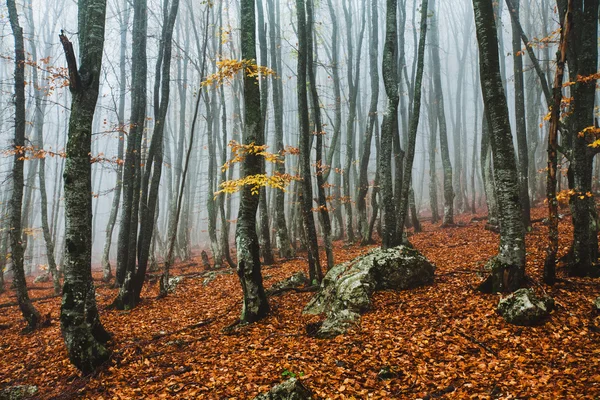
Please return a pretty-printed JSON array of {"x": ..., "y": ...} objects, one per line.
[
  {"x": 18, "y": 392},
  {"x": 295, "y": 281},
  {"x": 525, "y": 308},
  {"x": 174, "y": 282},
  {"x": 292, "y": 389}
]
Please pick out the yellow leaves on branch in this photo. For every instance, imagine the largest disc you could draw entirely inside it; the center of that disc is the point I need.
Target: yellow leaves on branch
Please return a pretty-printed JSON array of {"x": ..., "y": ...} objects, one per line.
[
  {"x": 239, "y": 152},
  {"x": 27, "y": 153},
  {"x": 564, "y": 196},
  {"x": 256, "y": 182},
  {"x": 227, "y": 69}
]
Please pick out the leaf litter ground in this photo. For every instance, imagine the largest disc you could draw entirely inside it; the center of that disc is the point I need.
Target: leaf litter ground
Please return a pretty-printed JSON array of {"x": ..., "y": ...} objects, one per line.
[{"x": 442, "y": 341}]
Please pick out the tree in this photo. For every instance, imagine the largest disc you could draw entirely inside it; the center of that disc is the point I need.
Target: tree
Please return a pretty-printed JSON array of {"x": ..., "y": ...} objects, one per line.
[
  {"x": 112, "y": 219},
  {"x": 580, "y": 125},
  {"x": 314, "y": 265},
  {"x": 508, "y": 267},
  {"x": 414, "y": 121},
  {"x": 255, "y": 306},
  {"x": 363, "y": 226},
  {"x": 127, "y": 241},
  {"x": 552, "y": 250},
  {"x": 31, "y": 315},
  {"x": 85, "y": 337},
  {"x": 282, "y": 236},
  {"x": 127, "y": 245},
  {"x": 520, "y": 116},
  {"x": 448, "y": 218},
  {"x": 389, "y": 126}
]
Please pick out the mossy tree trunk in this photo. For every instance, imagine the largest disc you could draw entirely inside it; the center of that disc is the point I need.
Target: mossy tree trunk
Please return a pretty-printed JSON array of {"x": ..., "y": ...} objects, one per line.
[
  {"x": 508, "y": 267},
  {"x": 255, "y": 306},
  {"x": 31, "y": 315},
  {"x": 85, "y": 337}
]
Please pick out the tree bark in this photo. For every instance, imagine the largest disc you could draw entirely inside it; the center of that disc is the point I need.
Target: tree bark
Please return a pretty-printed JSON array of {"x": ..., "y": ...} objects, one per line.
[
  {"x": 85, "y": 337},
  {"x": 31, "y": 315},
  {"x": 508, "y": 267},
  {"x": 255, "y": 306}
]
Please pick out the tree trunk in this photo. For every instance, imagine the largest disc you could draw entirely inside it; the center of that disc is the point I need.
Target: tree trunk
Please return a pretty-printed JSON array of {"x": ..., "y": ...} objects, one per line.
[
  {"x": 127, "y": 245},
  {"x": 31, "y": 315},
  {"x": 582, "y": 59},
  {"x": 389, "y": 126},
  {"x": 318, "y": 131},
  {"x": 508, "y": 267},
  {"x": 448, "y": 219},
  {"x": 84, "y": 335},
  {"x": 114, "y": 210},
  {"x": 363, "y": 226},
  {"x": 414, "y": 121},
  {"x": 255, "y": 306},
  {"x": 520, "y": 117},
  {"x": 552, "y": 250},
  {"x": 282, "y": 235}
]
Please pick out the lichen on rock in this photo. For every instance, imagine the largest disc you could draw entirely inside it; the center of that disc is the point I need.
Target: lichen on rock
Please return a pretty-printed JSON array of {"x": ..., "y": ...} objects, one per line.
[
  {"x": 292, "y": 389},
  {"x": 347, "y": 288},
  {"x": 525, "y": 308}
]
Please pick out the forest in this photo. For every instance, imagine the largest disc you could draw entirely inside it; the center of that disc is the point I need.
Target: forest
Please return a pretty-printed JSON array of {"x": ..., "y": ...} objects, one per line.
[{"x": 309, "y": 199}]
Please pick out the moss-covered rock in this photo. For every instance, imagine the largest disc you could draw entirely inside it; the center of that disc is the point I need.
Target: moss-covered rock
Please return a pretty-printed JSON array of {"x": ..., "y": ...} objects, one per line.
[
  {"x": 18, "y": 392},
  {"x": 597, "y": 304},
  {"x": 295, "y": 281},
  {"x": 292, "y": 389},
  {"x": 347, "y": 288},
  {"x": 525, "y": 308}
]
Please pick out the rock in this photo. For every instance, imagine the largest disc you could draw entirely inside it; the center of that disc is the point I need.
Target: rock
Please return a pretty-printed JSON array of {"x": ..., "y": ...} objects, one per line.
[
  {"x": 211, "y": 276},
  {"x": 292, "y": 389},
  {"x": 335, "y": 324},
  {"x": 294, "y": 281},
  {"x": 525, "y": 308},
  {"x": 173, "y": 283},
  {"x": 346, "y": 289},
  {"x": 42, "y": 278},
  {"x": 18, "y": 392},
  {"x": 597, "y": 304}
]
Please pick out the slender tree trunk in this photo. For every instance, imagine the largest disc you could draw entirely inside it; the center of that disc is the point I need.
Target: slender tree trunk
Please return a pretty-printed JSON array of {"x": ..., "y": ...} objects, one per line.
[
  {"x": 265, "y": 237},
  {"x": 84, "y": 335},
  {"x": 414, "y": 120},
  {"x": 127, "y": 245},
  {"x": 318, "y": 131},
  {"x": 31, "y": 315},
  {"x": 433, "y": 127},
  {"x": 114, "y": 210},
  {"x": 282, "y": 236},
  {"x": 520, "y": 117},
  {"x": 314, "y": 268},
  {"x": 363, "y": 226},
  {"x": 389, "y": 126},
  {"x": 448, "y": 219},
  {"x": 552, "y": 250}
]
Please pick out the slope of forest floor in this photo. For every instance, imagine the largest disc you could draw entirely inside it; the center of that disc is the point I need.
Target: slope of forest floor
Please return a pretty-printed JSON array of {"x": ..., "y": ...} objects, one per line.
[{"x": 442, "y": 341}]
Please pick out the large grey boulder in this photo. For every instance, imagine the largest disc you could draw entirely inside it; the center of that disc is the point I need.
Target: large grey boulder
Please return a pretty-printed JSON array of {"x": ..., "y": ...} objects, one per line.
[
  {"x": 292, "y": 389},
  {"x": 347, "y": 288},
  {"x": 18, "y": 392},
  {"x": 525, "y": 308}
]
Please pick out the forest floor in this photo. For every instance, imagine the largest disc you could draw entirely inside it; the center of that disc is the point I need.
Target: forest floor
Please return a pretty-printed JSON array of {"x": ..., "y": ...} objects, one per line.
[{"x": 441, "y": 341}]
